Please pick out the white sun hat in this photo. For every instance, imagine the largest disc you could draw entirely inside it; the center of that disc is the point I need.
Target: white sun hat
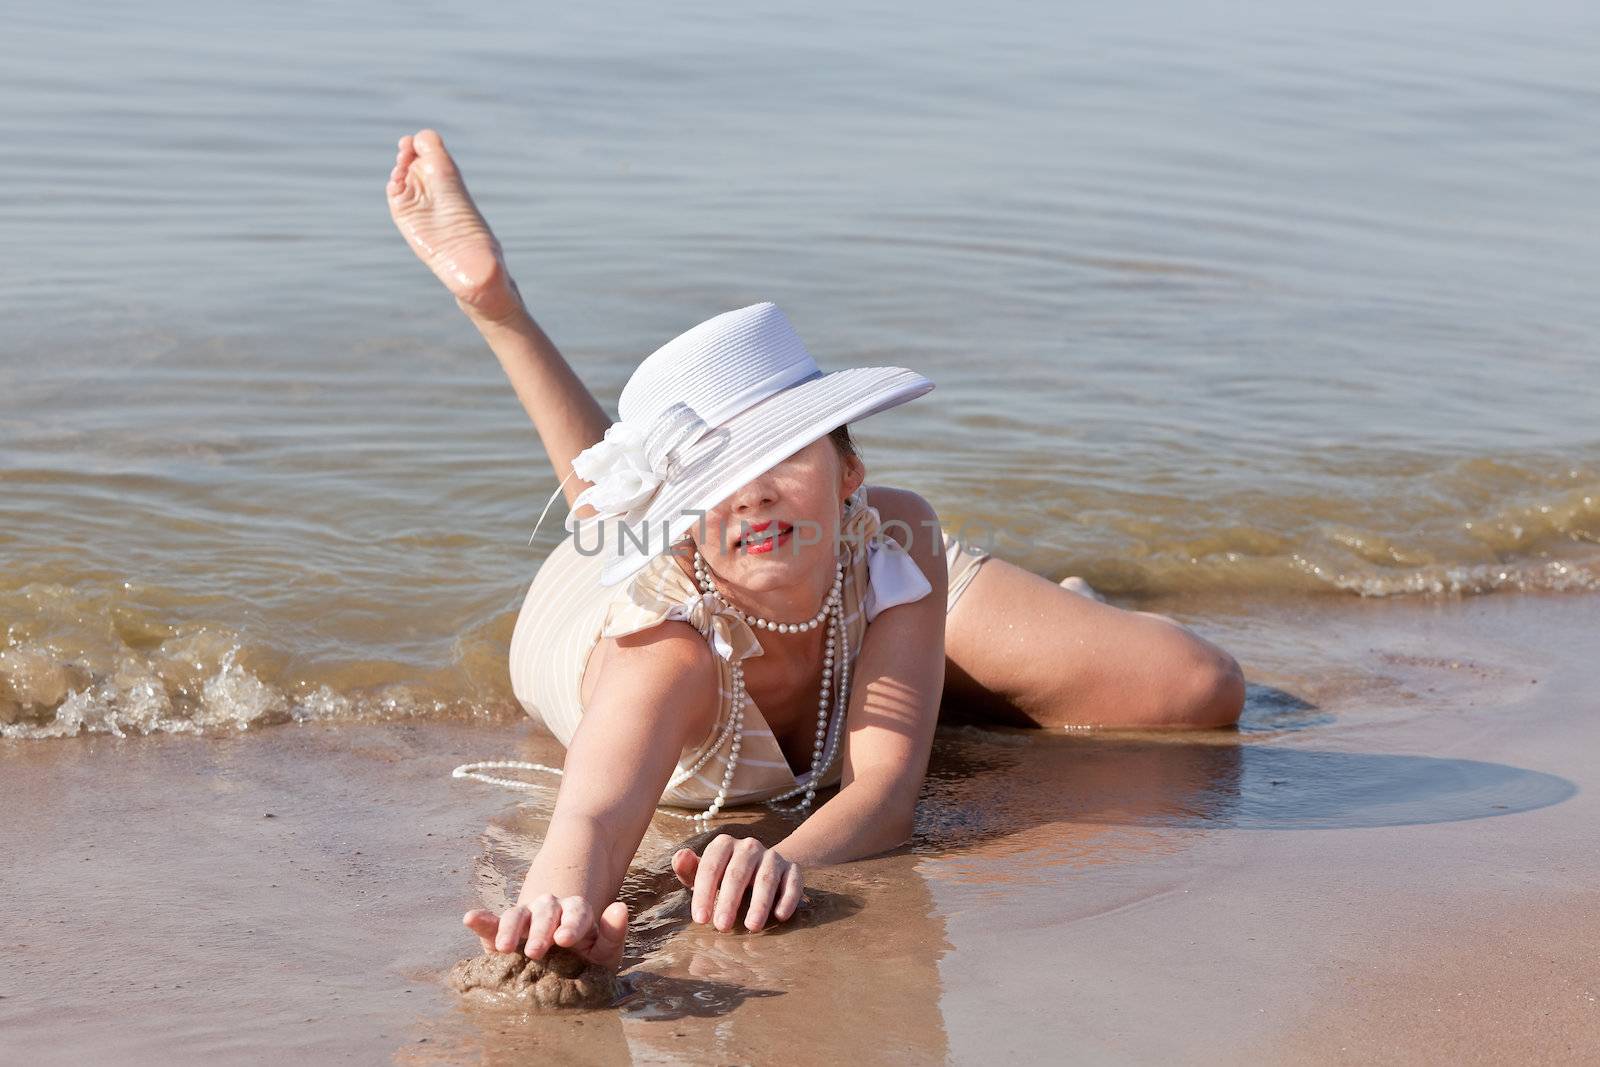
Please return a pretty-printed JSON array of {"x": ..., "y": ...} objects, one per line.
[{"x": 714, "y": 407}]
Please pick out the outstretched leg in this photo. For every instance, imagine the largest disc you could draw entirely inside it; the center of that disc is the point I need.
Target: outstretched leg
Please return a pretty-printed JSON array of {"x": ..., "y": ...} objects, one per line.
[
  {"x": 1025, "y": 651},
  {"x": 432, "y": 209}
]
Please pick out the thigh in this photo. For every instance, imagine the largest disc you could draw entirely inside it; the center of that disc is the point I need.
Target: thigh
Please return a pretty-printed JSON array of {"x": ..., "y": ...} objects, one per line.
[{"x": 1021, "y": 650}]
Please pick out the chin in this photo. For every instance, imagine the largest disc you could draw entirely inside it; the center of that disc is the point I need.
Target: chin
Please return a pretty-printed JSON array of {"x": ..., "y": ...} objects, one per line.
[
  {"x": 774, "y": 563},
  {"x": 767, "y": 570}
]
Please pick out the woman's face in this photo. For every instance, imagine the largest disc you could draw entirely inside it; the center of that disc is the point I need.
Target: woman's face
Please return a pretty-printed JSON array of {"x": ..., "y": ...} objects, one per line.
[{"x": 804, "y": 497}]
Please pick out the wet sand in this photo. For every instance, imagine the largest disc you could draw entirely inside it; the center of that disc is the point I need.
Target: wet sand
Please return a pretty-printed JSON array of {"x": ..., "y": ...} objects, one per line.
[{"x": 1391, "y": 859}]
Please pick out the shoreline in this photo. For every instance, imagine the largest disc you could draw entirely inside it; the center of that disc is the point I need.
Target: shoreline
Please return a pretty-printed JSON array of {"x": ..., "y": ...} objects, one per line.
[{"x": 1390, "y": 858}]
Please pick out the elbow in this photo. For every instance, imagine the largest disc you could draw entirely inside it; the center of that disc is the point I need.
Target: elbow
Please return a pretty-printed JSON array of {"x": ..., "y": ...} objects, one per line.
[
  {"x": 899, "y": 825},
  {"x": 884, "y": 811},
  {"x": 890, "y": 825}
]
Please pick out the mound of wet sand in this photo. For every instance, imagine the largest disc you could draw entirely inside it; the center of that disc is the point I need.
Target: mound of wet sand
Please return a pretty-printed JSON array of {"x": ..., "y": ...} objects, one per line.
[{"x": 562, "y": 979}]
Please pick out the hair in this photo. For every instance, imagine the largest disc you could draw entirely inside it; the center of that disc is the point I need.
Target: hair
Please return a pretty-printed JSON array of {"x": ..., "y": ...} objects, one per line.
[{"x": 840, "y": 436}]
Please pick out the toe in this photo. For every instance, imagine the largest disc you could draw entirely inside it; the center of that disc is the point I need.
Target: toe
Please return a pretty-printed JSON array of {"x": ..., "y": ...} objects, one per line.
[
  {"x": 428, "y": 142},
  {"x": 403, "y": 158},
  {"x": 397, "y": 182},
  {"x": 431, "y": 151}
]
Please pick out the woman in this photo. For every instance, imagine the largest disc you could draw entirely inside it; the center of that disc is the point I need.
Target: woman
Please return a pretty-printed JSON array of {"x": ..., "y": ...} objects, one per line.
[{"x": 656, "y": 642}]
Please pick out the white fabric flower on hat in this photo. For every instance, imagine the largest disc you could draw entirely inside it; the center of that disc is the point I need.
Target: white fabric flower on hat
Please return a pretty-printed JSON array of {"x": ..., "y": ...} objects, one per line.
[
  {"x": 619, "y": 468},
  {"x": 628, "y": 465}
]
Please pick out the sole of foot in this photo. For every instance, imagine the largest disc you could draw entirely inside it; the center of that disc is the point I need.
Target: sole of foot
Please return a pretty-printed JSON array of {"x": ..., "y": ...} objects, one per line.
[{"x": 432, "y": 209}]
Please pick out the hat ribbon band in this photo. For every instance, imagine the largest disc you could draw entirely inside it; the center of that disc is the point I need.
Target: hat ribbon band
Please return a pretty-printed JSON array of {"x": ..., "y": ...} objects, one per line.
[{"x": 675, "y": 427}]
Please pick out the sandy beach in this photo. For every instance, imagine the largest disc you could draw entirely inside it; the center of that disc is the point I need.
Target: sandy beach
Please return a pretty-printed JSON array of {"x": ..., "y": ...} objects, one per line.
[
  {"x": 1391, "y": 859},
  {"x": 1276, "y": 319}
]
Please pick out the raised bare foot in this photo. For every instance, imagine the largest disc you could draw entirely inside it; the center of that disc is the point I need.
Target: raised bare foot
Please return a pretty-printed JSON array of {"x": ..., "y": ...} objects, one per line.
[
  {"x": 1074, "y": 584},
  {"x": 430, "y": 204}
]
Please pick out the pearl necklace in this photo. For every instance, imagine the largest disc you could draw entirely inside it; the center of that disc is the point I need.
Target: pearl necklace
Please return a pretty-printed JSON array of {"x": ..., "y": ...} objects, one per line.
[{"x": 833, "y": 611}]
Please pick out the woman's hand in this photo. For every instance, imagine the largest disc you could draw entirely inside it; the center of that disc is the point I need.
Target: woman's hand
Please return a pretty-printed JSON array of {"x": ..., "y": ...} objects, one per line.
[
  {"x": 548, "y": 920},
  {"x": 720, "y": 875}
]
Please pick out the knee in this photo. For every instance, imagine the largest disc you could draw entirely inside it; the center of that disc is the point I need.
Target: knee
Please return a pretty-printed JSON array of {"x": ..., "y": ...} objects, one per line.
[
  {"x": 1210, "y": 691},
  {"x": 1205, "y": 686}
]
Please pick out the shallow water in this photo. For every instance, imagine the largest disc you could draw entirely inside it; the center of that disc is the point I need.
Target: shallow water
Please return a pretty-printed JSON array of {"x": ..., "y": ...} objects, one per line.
[
  {"x": 1128, "y": 897},
  {"x": 1217, "y": 304}
]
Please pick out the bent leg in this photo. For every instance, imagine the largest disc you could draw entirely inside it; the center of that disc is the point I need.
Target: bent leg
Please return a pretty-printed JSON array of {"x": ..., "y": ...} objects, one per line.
[{"x": 1024, "y": 651}]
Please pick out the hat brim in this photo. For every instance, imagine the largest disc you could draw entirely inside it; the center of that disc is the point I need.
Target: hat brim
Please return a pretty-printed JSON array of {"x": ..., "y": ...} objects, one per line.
[{"x": 747, "y": 445}]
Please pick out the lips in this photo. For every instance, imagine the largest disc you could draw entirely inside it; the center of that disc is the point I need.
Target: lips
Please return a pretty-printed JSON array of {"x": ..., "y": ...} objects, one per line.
[{"x": 757, "y": 529}]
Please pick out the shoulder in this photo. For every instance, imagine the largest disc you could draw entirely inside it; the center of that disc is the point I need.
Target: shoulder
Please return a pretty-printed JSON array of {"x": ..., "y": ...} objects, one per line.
[
  {"x": 670, "y": 643},
  {"x": 911, "y": 522},
  {"x": 667, "y": 669},
  {"x": 904, "y": 515}
]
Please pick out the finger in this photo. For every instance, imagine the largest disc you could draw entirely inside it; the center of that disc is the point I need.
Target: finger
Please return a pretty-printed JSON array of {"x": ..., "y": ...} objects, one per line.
[
  {"x": 542, "y": 926},
  {"x": 769, "y": 881},
  {"x": 684, "y": 862},
  {"x": 789, "y": 900},
  {"x": 576, "y": 918},
  {"x": 483, "y": 923},
  {"x": 512, "y": 921},
  {"x": 741, "y": 868},
  {"x": 708, "y": 875},
  {"x": 612, "y": 934}
]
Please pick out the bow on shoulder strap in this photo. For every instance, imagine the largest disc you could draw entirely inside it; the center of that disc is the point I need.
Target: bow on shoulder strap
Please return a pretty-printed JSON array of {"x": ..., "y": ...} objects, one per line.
[
  {"x": 731, "y": 637},
  {"x": 893, "y": 576}
]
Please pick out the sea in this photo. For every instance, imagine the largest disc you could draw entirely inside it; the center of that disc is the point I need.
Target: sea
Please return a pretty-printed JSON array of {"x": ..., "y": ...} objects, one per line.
[{"x": 1262, "y": 301}]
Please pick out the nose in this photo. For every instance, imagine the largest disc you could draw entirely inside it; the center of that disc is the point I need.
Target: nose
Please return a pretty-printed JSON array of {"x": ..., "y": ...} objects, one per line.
[{"x": 753, "y": 496}]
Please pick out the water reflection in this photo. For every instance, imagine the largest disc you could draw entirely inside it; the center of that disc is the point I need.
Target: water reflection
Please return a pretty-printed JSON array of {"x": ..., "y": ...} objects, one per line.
[{"x": 1209, "y": 780}]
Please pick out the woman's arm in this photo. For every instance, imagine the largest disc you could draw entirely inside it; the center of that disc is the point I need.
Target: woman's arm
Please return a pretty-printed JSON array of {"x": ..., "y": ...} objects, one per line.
[
  {"x": 568, "y": 417},
  {"x": 896, "y": 689},
  {"x": 657, "y": 694}
]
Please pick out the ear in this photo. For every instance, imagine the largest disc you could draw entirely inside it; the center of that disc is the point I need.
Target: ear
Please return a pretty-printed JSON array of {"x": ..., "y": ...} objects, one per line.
[{"x": 854, "y": 474}]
